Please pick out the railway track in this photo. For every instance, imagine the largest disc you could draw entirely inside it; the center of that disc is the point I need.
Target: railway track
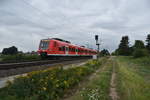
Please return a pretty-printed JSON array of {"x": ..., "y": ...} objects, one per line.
[{"x": 7, "y": 66}]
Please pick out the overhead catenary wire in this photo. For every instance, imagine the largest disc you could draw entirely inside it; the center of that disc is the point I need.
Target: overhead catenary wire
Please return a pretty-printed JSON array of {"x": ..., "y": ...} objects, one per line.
[
  {"x": 33, "y": 7},
  {"x": 44, "y": 16},
  {"x": 55, "y": 22}
]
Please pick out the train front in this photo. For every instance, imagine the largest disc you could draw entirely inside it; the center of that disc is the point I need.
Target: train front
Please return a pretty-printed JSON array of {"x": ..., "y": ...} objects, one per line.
[{"x": 44, "y": 47}]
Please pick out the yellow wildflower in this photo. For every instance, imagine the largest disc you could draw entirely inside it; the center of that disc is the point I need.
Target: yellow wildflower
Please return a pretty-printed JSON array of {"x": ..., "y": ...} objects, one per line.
[
  {"x": 65, "y": 82},
  {"x": 57, "y": 85},
  {"x": 44, "y": 88}
]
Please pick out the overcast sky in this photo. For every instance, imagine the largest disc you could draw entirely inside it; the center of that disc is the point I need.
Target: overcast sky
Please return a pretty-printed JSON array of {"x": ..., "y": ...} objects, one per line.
[{"x": 24, "y": 22}]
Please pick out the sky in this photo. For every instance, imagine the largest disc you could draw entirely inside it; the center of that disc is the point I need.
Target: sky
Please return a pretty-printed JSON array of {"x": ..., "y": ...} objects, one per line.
[{"x": 23, "y": 23}]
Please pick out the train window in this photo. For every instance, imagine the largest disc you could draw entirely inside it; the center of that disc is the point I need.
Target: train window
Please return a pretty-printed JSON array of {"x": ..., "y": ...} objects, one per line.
[
  {"x": 73, "y": 50},
  {"x": 63, "y": 48},
  {"x": 79, "y": 50},
  {"x": 55, "y": 44},
  {"x": 67, "y": 49},
  {"x": 70, "y": 49},
  {"x": 60, "y": 48}
]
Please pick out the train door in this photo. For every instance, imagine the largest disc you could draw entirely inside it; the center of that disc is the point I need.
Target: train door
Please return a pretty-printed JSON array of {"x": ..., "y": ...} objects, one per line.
[{"x": 67, "y": 50}]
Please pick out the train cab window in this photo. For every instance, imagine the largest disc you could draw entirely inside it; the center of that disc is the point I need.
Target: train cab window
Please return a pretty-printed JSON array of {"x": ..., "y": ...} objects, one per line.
[{"x": 44, "y": 44}]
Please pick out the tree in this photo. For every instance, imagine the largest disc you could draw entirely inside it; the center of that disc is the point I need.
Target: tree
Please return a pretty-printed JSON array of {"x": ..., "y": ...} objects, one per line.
[
  {"x": 104, "y": 52},
  {"x": 148, "y": 42},
  {"x": 11, "y": 50},
  {"x": 140, "y": 53},
  {"x": 124, "y": 48},
  {"x": 139, "y": 49},
  {"x": 139, "y": 44}
]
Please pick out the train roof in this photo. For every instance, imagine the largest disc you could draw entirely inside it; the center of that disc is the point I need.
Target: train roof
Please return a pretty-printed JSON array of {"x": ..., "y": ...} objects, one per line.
[
  {"x": 61, "y": 40},
  {"x": 57, "y": 39}
]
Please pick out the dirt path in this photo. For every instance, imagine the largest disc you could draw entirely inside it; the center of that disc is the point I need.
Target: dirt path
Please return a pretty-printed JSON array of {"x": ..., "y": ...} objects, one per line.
[{"x": 113, "y": 93}]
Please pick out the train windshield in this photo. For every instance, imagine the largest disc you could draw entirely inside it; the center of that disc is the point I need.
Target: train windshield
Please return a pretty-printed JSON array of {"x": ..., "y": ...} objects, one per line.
[{"x": 44, "y": 44}]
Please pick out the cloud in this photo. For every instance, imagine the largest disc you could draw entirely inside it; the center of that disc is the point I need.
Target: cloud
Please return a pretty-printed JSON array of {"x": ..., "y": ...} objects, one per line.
[{"x": 24, "y": 22}]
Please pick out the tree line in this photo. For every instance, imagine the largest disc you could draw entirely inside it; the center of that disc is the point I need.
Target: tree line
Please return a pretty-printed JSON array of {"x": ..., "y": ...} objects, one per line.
[{"x": 139, "y": 49}]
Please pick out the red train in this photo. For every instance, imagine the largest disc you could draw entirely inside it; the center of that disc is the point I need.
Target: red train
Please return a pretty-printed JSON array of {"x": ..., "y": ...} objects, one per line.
[{"x": 58, "y": 47}]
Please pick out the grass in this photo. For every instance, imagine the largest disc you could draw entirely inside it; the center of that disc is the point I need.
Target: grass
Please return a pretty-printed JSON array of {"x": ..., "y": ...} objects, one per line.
[
  {"x": 98, "y": 87},
  {"x": 140, "y": 65},
  {"x": 50, "y": 84},
  {"x": 132, "y": 81}
]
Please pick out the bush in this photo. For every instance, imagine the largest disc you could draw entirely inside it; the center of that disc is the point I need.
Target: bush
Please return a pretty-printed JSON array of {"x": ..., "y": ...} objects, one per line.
[{"x": 140, "y": 53}]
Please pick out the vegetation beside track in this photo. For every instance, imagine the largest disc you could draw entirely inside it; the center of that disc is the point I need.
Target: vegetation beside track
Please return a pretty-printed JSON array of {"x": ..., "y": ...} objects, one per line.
[
  {"x": 132, "y": 81},
  {"x": 48, "y": 84},
  {"x": 19, "y": 57},
  {"x": 133, "y": 78},
  {"x": 97, "y": 87}
]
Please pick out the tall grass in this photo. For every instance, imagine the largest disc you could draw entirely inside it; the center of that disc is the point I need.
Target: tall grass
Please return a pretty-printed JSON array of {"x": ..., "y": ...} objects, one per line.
[
  {"x": 140, "y": 65},
  {"x": 131, "y": 84}
]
